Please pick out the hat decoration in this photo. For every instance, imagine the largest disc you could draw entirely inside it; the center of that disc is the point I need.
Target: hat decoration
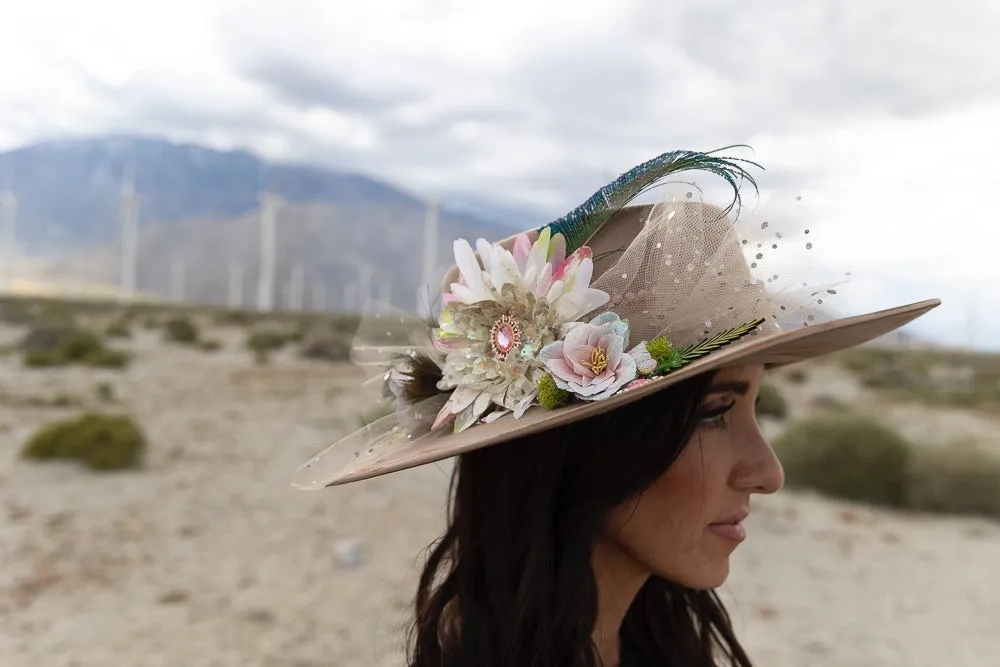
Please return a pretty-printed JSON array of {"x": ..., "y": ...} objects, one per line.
[
  {"x": 576, "y": 313},
  {"x": 514, "y": 331}
]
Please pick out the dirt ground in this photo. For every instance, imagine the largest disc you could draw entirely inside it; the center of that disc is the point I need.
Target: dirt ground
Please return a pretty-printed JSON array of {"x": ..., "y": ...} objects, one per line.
[{"x": 208, "y": 557}]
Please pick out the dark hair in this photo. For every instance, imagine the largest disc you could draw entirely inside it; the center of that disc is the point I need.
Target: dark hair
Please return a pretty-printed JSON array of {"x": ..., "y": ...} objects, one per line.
[{"x": 510, "y": 583}]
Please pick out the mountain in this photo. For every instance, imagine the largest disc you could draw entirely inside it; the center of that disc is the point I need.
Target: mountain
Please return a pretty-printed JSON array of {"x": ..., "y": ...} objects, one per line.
[
  {"x": 69, "y": 191},
  {"x": 199, "y": 210}
]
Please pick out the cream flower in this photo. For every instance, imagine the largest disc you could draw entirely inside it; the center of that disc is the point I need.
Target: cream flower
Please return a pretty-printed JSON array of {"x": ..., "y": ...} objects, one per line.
[
  {"x": 591, "y": 363},
  {"x": 505, "y": 307}
]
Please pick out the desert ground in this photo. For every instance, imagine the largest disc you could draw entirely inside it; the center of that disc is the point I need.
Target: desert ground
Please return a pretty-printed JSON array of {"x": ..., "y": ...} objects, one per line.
[{"x": 206, "y": 557}]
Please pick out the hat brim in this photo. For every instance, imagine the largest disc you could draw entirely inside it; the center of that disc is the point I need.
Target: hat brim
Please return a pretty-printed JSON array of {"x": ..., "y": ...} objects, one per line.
[{"x": 772, "y": 350}]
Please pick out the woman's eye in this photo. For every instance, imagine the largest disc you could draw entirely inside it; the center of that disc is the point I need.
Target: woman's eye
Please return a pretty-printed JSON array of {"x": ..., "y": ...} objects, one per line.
[{"x": 715, "y": 417}]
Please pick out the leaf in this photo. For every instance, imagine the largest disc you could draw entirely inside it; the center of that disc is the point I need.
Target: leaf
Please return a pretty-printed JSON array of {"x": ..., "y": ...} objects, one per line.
[{"x": 719, "y": 340}]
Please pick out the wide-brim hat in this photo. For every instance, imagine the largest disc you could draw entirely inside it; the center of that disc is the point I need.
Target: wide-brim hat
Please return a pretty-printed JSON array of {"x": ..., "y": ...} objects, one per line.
[{"x": 603, "y": 307}]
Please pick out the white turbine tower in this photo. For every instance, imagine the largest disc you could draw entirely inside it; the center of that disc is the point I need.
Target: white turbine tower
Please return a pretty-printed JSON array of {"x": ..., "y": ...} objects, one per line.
[
  {"x": 177, "y": 271},
  {"x": 269, "y": 204},
  {"x": 296, "y": 286},
  {"x": 350, "y": 295},
  {"x": 365, "y": 275},
  {"x": 318, "y": 299},
  {"x": 8, "y": 236},
  {"x": 384, "y": 288},
  {"x": 234, "y": 299},
  {"x": 130, "y": 237},
  {"x": 428, "y": 273}
]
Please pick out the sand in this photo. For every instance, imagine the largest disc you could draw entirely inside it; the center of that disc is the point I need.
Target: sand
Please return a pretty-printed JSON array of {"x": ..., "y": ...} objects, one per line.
[{"x": 207, "y": 557}]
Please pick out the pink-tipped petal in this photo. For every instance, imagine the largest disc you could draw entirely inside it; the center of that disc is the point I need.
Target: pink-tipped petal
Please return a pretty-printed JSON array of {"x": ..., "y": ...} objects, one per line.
[
  {"x": 522, "y": 248},
  {"x": 557, "y": 250}
]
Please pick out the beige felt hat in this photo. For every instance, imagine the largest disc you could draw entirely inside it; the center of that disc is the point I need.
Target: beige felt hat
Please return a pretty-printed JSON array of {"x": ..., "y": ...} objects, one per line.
[{"x": 607, "y": 305}]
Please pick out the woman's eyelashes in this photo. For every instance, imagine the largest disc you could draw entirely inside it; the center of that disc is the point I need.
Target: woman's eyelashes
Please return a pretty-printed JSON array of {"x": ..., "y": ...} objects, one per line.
[{"x": 715, "y": 417}]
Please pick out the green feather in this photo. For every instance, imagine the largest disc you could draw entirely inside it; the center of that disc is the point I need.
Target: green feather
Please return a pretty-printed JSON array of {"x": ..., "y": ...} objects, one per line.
[{"x": 580, "y": 224}]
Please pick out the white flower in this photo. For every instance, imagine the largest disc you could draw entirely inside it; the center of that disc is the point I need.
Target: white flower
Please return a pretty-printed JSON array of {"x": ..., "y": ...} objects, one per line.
[{"x": 504, "y": 309}]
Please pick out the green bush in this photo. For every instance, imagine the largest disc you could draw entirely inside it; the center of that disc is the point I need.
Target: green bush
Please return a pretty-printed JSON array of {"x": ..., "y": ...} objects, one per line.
[
  {"x": 797, "y": 376},
  {"x": 61, "y": 344},
  {"x": 209, "y": 345},
  {"x": 234, "y": 317},
  {"x": 847, "y": 456},
  {"x": 266, "y": 339},
  {"x": 17, "y": 312},
  {"x": 770, "y": 402},
  {"x": 109, "y": 358},
  {"x": 118, "y": 328},
  {"x": 325, "y": 343},
  {"x": 100, "y": 442},
  {"x": 180, "y": 330},
  {"x": 105, "y": 392},
  {"x": 961, "y": 478}
]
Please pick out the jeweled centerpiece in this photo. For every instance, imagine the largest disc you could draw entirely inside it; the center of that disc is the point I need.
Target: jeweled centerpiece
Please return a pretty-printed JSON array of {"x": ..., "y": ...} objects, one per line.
[{"x": 505, "y": 336}]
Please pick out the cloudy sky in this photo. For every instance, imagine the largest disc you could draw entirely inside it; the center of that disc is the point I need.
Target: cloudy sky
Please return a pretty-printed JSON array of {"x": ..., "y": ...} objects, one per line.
[{"x": 883, "y": 114}]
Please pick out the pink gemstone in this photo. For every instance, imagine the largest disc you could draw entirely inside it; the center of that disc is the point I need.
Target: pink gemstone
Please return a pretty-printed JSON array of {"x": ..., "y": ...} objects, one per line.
[{"x": 505, "y": 338}]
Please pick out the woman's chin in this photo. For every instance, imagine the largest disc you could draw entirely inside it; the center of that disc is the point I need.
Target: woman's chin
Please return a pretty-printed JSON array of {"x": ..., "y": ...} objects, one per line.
[{"x": 705, "y": 575}]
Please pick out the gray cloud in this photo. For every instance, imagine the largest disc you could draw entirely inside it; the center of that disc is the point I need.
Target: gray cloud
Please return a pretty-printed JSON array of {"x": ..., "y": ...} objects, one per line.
[
  {"x": 564, "y": 109},
  {"x": 304, "y": 85},
  {"x": 827, "y": 59}
]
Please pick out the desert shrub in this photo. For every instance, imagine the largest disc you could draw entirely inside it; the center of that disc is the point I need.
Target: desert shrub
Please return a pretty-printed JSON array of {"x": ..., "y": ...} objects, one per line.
[
  {"x": 797, "y": 376},
  {"x": 962, "y": 478},
  {"x": 109, "y": 357},
  {"x": 105, "y": 392},
  {"x": 848, "y": 456},
  {"x": 60, "y": 400},
  {"x": 118, "y": 328},
  {"x": 325, "y": 343},
  {"x": 209, "y": 345},
  {"x": 180, "y": 330},
  {"x": 266, "y": 339},
  {"x": 17, "y": 312},
  {"x": 61, "y": 344},
  {"x": 345, "y": 324},
  {"x": 771, "y": 403},
  {"x": 234, "y": 317},
  {"x": 829, "y": 402},
  {"x": 100, "y": 442}
]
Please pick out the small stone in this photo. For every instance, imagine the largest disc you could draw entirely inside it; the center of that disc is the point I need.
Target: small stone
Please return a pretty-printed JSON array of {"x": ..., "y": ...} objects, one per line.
[
  {"x": 173, "y": 597},
  {"x": 349, "y": 553}
]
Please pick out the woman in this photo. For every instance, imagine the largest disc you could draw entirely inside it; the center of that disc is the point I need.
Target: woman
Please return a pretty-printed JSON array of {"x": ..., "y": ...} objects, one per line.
[
  {"x": 555, "y": 536},
  {"x": 597, "y": 379}
]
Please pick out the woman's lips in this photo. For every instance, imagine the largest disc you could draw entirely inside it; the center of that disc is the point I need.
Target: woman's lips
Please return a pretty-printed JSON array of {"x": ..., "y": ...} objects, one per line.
[
  {"x": 732, "y": 526},
  {"x": 731, "y": 531}
]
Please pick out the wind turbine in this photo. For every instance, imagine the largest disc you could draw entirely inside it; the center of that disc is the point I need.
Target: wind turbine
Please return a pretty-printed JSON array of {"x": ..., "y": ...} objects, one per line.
[
  {"x": 130, "y": 231},
  {"x": 178, "y": 268},
  {"x": 428, "y": 274},
  {"x": 269, "y": 203},
  {"x": 235, "y": 297},
  {"x": 296, "y": 286},
  {"x": 8, "y": 236}
]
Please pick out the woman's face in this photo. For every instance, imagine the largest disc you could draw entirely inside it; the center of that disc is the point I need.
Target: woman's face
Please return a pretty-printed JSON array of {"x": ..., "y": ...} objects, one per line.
[{"x": 685, "y": 526}]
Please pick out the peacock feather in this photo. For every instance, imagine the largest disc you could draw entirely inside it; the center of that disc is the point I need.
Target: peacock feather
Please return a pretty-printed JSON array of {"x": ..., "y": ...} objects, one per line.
[{"x": 580, "y": 224}]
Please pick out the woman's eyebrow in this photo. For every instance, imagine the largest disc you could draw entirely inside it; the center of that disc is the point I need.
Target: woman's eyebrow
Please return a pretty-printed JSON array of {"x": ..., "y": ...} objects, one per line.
[{"x": 736, "y": 386}]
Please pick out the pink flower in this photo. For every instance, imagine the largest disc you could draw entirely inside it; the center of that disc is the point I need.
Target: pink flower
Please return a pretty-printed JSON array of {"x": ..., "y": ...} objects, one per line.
[{"x": 591, "y": 362}]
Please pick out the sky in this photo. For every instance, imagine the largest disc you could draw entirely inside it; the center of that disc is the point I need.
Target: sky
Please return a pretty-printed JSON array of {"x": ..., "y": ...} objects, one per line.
[{"x": 883, "y": 115}]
